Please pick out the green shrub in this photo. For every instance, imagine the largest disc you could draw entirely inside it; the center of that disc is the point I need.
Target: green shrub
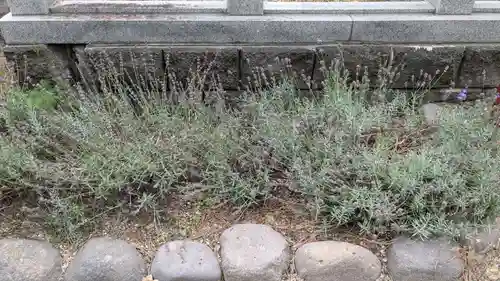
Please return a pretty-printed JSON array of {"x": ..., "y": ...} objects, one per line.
[{"x": 358, "y": 159}]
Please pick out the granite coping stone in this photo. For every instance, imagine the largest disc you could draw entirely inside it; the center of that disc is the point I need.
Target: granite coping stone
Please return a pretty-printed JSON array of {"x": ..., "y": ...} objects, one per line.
[
  {"x": 277, "y": 29},
  {"x": 424, "y": 28},
  {"x": 188, "y": 28}
]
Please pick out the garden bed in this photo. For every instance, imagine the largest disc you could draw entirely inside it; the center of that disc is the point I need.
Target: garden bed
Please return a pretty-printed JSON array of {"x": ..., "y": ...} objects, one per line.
[{"x": 352, "y": 159}]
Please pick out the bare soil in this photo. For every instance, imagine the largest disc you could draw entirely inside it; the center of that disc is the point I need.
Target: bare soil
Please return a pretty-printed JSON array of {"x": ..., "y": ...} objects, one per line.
[{"x": 192, "y": 221}]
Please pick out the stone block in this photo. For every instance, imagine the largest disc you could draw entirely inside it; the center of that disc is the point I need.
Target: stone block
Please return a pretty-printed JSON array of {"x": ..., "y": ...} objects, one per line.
[
  {"x": 431, "y": 112},
  {"x": 484, "y": 240},
  {"x": 177, "y": 28},
  {"x": 339, "y": 261},
  {"x": 276, "y": 63},
  {"x": 481, "y": 66},
  {"x": 140, "y": 65},
  {"x": 185, "y": 260},
  {"x": 207, "y": 65},
  {"x": 453, "y": 7},
  {"x": 29, "y": 7},
  {"x": 356, "y": 59},
  {"x": 36, "y": 63},
  {"x": 251, "y": 252},
  {"x": 400, "y": 66},
  {"x": 436, "y": 65},
  {"x": 106, "y": 259},
  {"x": 245, "y": 7},
  {"x": 414, "y": 260},
  {"x": 25, "y": 259},
  {"x": 427, "y": 29}
]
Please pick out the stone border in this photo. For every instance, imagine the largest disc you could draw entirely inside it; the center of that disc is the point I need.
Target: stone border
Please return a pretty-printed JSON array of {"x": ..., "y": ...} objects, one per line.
[{"x": 248, "y": 252}]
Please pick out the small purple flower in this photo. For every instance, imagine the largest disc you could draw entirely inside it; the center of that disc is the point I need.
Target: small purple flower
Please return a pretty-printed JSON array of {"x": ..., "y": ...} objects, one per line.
[{"x": 462, "y": 95}]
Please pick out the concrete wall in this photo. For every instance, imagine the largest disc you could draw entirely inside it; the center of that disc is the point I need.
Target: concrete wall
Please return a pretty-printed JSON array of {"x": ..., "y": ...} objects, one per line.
[{"x": 460, "y": 35}]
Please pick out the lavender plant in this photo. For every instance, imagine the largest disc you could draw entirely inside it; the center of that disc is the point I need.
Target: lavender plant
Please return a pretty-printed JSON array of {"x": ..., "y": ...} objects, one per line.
[{"x": 357, "y": 157}]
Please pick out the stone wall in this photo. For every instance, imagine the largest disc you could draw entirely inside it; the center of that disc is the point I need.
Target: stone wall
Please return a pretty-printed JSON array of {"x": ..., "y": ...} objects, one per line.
[
  {"x": 401, "y": 66},
  {"x": 430, "y": 35}
]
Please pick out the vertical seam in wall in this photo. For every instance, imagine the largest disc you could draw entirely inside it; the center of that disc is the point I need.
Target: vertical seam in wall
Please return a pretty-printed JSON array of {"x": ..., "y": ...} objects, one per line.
[
  {"x": 239, "y": 66},
  {"x": 73, "y": 63},
  {"x": 352, "y": 28},
  {"x": 460, "y": 68},
  {"x": 315, "y": 58},
  {"x": 165, "y": 70}
]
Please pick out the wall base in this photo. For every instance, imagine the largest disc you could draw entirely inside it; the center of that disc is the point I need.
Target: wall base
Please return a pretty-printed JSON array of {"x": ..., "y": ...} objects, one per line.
[{"x": 236, "y": 67}]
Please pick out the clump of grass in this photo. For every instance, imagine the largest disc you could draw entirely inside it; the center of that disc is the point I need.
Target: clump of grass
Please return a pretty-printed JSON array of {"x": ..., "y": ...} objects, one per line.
[{"x": 358, "y": 158}]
